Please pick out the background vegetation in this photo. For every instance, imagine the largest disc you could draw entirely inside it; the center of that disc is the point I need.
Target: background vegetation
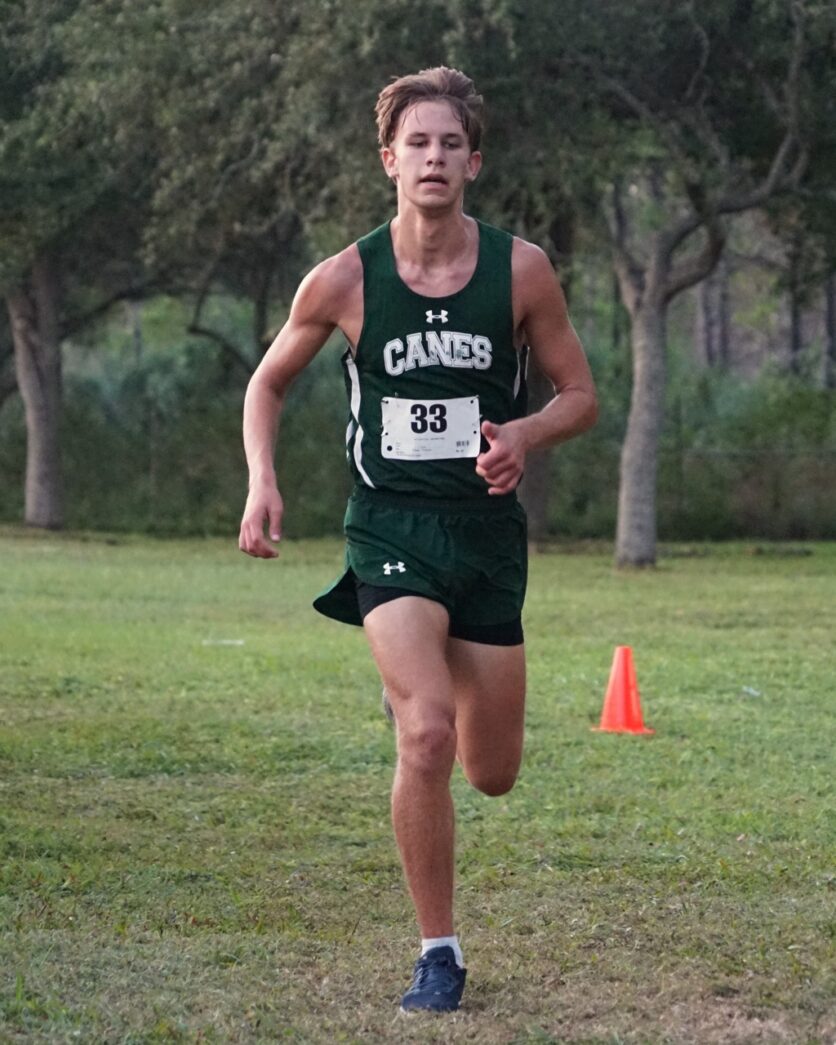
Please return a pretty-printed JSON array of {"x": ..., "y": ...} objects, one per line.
[
  {"x": 169, "y": 170},
  {"x": 152, "y": 443}
]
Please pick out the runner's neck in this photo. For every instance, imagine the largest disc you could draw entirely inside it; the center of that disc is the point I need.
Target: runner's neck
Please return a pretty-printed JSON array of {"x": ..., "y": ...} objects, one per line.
[{"x": 434, "y": 255}]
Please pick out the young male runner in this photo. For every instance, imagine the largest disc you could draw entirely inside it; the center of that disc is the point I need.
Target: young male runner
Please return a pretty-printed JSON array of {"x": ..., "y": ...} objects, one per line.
[{"x": 437, "y": 310}]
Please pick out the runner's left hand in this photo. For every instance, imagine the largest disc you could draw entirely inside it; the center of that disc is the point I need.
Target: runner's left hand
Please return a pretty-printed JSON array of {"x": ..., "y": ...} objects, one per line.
[{"x": 501, "y": 465}]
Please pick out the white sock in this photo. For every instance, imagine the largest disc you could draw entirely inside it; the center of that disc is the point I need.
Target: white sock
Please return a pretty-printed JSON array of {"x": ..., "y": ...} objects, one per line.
[{"x": 443, "y": 941}]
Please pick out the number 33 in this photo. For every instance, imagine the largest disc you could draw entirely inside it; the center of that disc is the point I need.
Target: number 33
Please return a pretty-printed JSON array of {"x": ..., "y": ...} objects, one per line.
[{"x": 437, "y": 422}]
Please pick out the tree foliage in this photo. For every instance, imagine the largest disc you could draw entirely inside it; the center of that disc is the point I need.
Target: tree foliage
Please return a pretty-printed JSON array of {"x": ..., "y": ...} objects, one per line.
[
  {"x": 222, "y": 147},
  {"x": 71, "y": 180}
]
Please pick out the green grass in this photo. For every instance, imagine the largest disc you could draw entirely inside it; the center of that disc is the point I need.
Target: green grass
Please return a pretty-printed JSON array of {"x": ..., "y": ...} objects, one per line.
[{"x": 194, "y": 835}]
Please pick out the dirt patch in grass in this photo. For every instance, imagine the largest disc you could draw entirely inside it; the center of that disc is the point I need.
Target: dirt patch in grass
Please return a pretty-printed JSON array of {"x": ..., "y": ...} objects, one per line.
[{"x": 713, "y": 1021}]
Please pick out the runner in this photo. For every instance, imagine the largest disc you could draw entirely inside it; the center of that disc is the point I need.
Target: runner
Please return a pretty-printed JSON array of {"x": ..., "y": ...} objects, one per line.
[{"x": 439, "y": 312}]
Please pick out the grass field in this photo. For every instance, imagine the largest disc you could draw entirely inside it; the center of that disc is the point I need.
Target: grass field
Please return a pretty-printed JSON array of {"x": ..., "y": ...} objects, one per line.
[{"x": 194, "y": 778}]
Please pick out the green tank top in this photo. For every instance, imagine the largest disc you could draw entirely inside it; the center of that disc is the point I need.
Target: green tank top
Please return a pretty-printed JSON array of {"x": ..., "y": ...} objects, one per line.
[{"x": 428, "y": 370}]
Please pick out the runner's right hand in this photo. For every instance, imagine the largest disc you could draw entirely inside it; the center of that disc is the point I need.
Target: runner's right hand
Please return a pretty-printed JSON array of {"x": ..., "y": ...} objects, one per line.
[{"x": 264, "y": 506}]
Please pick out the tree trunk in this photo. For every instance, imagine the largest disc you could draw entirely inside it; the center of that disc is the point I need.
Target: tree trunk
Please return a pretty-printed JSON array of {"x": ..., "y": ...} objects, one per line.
[
  {"x": 712, "y": 326},
  {"x": 636, "y": 531},
  {"x": 33, "y": 311},
  {"x": 724, "y": 306},
  {"x": 795, "y": 294},
  {"x": 8, "y": 381},
  {"x": 830, "y": 331},
  {"x": 705, "y": 324},
  {"x": 135, "y": 314}
]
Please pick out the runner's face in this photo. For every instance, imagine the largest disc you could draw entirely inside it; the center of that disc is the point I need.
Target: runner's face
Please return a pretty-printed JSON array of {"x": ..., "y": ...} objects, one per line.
[{"x": 429, "y": 158}]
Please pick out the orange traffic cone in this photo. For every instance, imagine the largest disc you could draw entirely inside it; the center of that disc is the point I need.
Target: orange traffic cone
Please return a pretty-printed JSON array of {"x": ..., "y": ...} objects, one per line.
[{"x": 622, "y": 708}]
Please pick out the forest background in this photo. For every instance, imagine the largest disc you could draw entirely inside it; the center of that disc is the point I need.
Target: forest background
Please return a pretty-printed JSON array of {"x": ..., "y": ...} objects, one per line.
[{"x": 170, "y": 170}]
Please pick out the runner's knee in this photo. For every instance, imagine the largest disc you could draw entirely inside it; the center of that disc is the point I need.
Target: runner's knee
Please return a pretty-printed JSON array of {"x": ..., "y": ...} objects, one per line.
[
  {"x": 428, "y": 747},
  {"x": 490, "y": 780}
]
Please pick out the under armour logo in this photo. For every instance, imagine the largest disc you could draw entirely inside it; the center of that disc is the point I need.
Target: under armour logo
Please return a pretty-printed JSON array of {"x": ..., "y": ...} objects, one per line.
[
  {"x": 388, "y": 568},
  {"x": 442, "y": 315}
]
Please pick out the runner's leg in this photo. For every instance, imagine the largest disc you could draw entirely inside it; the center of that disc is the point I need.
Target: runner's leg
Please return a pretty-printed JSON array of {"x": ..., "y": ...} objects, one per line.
[
  {"x": 408, "y": 638},
  {"x": 489, "y": 686}
]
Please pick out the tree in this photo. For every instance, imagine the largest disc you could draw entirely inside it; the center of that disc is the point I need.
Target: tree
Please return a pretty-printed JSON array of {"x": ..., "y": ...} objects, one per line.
[
  {"x": 233, "y": 144},
  {"x": 713, "y": 316},
  {"x": 284, "y": 174},
  {"x": 8, "y": 381},
  {"x": 702, "y": 128},
  {"x": 67, "y": 225}
]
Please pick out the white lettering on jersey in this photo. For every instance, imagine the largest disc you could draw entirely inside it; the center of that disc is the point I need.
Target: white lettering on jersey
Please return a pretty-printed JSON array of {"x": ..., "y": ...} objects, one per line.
[
  {"x": 446, "y": 348},
  {"x": 481, "y": 353},
  {"x": 461, "y": 349},
  {"x": 439, "y": 349},
  {"x": 394, "y": 366},
  {"x": 415, "y": 354}
]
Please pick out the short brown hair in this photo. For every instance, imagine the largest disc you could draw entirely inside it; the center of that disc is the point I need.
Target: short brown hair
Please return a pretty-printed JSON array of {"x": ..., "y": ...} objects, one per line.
[{"x": 439, "y": 84}]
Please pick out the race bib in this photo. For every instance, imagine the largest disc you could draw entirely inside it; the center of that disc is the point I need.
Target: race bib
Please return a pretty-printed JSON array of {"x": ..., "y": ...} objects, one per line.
[{"x": 430, "y": 429}]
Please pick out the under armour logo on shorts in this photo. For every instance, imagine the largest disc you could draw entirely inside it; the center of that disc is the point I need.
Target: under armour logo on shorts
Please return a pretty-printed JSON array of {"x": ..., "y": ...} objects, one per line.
[
  {"x": 389, "y": 567},
  {"x": 432, "y": 316}
]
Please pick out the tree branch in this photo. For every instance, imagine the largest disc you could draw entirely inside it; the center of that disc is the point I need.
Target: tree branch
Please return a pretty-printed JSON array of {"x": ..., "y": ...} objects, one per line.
[
  {"x": 705, "y": 50},
  {"x": 784, "y": 173},
  {"x": 261, "y": 301},
  {"x": 773, "y": 184},
  {"x": 196, "y": 326},
  {"x": 231, "y": 169},
  {"x": 780, "y": 179},
  {"x": 132, "y": 293},
  {"x": 628, "y": 271},
  {"x": 769, "y": 96},
  {"x": 695, "y": 269},
  {"x": 699, "y": 122},
  {"x": 231, "y": 350},
  {"x": 643, "y": 111}
]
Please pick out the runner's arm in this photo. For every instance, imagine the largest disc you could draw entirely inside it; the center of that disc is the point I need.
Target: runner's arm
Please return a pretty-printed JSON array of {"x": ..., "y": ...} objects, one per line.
[
  {"x": 540, "y": 311},
  {"x": 313, "y": 317}
]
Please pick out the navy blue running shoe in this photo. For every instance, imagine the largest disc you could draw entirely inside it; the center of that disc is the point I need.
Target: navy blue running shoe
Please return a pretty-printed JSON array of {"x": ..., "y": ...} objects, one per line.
[{"x": 437, "y": 982}]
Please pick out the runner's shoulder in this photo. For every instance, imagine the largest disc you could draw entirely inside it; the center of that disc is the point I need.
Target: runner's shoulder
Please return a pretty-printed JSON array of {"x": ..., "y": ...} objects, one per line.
[
  {"x": 533, "y": 277},
  {"x": 529, "y": 261},
  {"x": 328, "y": 288}
]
